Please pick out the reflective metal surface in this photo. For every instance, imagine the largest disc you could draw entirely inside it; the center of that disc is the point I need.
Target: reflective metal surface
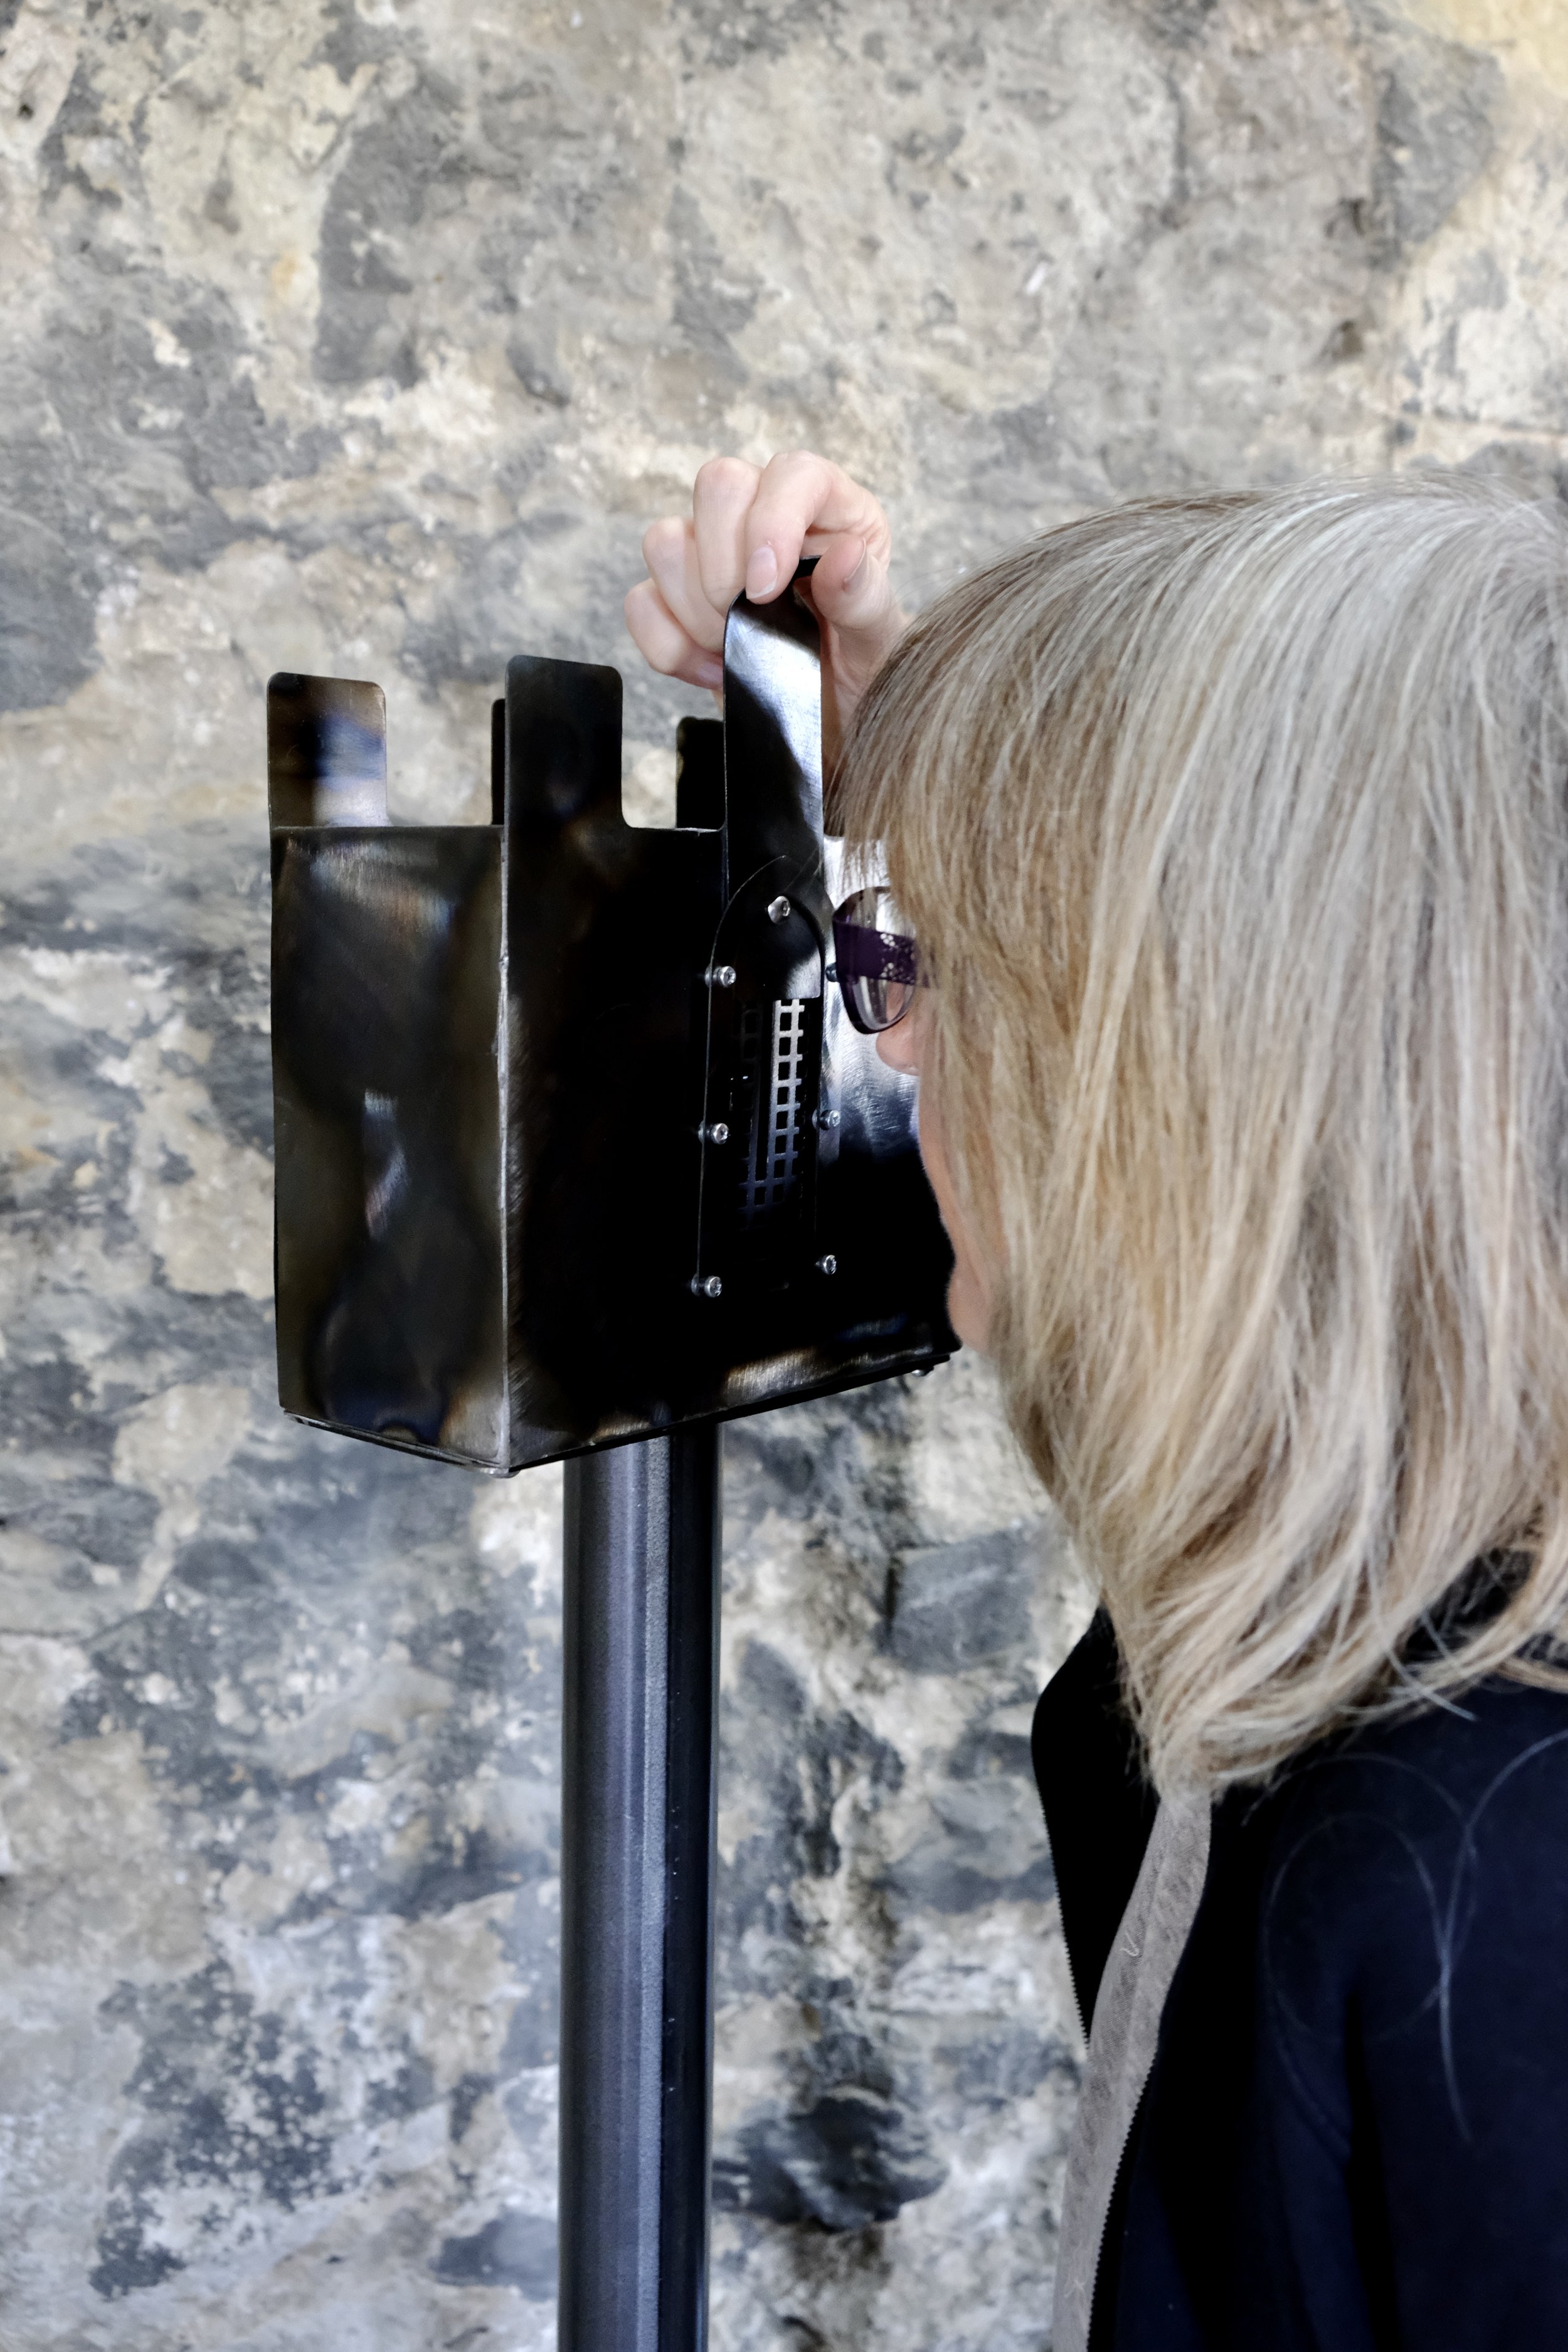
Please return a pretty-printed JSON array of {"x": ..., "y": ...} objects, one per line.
[
  {"x": 386, "y": 1023},
  {"x": 640, "y": 1652},
  {"x": 572, "y": 1147},
  {"x": 326, "y": 751}
]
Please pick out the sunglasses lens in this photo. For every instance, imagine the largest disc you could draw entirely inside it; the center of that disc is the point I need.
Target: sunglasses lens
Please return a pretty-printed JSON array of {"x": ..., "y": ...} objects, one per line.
[{"x": 876, "y": 960}]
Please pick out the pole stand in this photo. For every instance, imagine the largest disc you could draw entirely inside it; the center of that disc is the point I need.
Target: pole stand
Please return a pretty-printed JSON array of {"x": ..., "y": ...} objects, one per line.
[{"x": 640, "y": 1640}]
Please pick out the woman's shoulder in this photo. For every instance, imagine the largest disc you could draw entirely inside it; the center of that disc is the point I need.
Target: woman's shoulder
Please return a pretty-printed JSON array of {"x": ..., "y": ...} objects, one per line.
[
  {"x": 1489, "y": 1760},
  {"x": 1407, "y": 1966},
  {"x": 1415, "y": 1877}
]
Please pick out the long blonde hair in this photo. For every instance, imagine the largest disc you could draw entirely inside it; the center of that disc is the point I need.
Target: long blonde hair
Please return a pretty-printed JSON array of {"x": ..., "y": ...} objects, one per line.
[{"x": 1234, "y": 833}]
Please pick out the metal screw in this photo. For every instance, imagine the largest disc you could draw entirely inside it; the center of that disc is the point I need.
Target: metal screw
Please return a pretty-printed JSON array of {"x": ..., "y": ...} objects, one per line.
[
  {"x": 723, "y": 976},
  {"x": 708, "y": 1286},
  {"x": 829, "y": 1265},
  {"x": 830, "y": 971},
  {"x": 828, "y": 1118},
  {"x": 717, "y": 1131},
  {"x": 779, "y": 910}
]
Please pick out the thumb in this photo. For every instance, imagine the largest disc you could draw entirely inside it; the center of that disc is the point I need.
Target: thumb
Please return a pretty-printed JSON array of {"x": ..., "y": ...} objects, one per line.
[{"x": 851, "y": 591}]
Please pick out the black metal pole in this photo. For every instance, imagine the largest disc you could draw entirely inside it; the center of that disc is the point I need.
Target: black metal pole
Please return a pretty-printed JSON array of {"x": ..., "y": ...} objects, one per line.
[{"x": 640, "y": 1635}]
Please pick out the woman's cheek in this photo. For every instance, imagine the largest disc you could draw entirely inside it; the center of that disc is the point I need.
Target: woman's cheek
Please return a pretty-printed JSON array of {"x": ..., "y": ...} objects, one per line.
[{"x": 968, "y": 1297}]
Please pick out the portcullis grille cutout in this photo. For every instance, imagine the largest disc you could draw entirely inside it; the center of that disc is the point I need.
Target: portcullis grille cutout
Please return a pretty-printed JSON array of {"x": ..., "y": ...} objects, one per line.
[{"x": 772, "y": 1066}]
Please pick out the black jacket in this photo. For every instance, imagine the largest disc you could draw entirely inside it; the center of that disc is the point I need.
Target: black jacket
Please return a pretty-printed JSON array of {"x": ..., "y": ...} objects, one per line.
[{"x": 1356, "y": 2131}]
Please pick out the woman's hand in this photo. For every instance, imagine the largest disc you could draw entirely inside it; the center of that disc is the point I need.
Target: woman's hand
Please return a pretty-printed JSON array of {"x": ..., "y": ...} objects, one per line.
[{"x": 749, "y": 529}]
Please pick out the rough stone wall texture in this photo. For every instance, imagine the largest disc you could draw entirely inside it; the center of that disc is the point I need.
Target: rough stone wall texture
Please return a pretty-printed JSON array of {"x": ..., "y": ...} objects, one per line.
[{"x": 366, "y": 338}]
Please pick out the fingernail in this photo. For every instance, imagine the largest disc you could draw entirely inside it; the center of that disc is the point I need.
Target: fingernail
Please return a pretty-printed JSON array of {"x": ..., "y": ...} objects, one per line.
[{"x": 762, "y": 572}]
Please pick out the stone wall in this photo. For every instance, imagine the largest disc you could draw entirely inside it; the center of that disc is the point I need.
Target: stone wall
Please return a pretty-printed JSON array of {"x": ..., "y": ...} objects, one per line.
[{"x": 367, "y": 339}]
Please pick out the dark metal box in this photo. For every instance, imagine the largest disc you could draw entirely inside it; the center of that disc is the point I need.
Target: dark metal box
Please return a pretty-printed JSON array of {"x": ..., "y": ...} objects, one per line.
[{"x": 573, "y": 1144}]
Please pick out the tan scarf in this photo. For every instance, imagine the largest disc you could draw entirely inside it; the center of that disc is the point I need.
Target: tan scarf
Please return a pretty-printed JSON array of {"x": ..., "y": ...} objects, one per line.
[{"x": 1127, "y": 2011}]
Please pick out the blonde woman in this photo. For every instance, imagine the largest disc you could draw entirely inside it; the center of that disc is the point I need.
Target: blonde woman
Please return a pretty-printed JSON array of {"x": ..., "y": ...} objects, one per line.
[{"x": 1232, "y": 833}]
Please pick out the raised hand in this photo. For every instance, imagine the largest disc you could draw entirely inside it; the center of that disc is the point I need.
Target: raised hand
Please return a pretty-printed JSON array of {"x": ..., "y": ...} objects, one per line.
[{"x": 749, "y": 528}]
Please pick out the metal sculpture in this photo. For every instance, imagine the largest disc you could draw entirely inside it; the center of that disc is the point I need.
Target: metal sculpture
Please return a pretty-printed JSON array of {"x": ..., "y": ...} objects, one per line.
[
  {"x": 575, "y": 1146},
  {"x": 572, "y": 1146}
]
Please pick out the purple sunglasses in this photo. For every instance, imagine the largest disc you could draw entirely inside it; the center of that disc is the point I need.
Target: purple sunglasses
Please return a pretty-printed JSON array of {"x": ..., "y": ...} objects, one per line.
[{"x": 876, "y": 964}]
